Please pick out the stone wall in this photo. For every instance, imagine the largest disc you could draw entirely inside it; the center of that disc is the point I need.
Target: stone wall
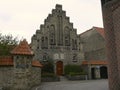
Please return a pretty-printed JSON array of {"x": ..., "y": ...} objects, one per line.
[
  {"x": 6, "y": 77},
  {"x": 27, "y": 79},
  {"x": 35, "y": 76},
  {"x": 12, "y": 80},
  {"x": 21, "y": 80}
]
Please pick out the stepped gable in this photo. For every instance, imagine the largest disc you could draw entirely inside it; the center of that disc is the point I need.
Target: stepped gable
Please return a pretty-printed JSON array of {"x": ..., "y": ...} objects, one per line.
[{"x": 22, "y": 49}]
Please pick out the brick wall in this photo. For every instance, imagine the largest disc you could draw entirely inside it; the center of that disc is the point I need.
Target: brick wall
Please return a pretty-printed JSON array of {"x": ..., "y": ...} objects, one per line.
[{"x": 111, "y": 19}]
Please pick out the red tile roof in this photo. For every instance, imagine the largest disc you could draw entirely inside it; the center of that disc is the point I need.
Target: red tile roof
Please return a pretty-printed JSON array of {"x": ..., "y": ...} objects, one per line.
[
  {"x": 98, "y": 29},
  {"x": 6, "y": 61},
  {"x": 36, "y": 63},
  {"x": 95, "y": 62},
  {"x": 22, "y": 49},
  {"x": 101, "y": 31}
]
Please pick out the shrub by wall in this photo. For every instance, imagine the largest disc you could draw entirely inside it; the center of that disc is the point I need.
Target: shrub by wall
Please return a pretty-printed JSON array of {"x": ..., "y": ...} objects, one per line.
[{"x": 74, "y": 70}]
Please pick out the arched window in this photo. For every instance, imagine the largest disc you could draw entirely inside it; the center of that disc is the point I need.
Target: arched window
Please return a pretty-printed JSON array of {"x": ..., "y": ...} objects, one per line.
[
  {"x": 46, "y": 43},
  {"x": 52, "y": 35},
  {"x": 74, "y": 58},
  {"x": 67, "y": 36},
  {"x": 75, "y": 45},
  {"x": 45, "y": 57},
  {"x": 72, "y": 44},
  {"x": 42, "y": 42}
]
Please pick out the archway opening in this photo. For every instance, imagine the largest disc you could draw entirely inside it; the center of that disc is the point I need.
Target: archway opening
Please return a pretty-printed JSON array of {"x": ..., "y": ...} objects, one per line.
[
  {"x": 92, "y": 73},
  {"x": 103, "y": 72}
]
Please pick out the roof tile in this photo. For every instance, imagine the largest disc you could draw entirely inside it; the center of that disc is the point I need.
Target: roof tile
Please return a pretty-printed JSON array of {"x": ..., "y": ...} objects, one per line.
[
  {"x": 95, "y": 62},
  {"x": 36, "y": 63},
  {"x": 6, "y": 61},
  {"x": 22, "y": 49},
  {"x": 101, "y": 31}
]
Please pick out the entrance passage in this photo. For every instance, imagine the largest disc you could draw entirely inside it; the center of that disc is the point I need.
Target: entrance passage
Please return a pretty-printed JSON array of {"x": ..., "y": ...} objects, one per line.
[
  {"x": 93, "y": 73},
  {"x": 103, "y": 72},
  {"x": 59, "y": 68}
]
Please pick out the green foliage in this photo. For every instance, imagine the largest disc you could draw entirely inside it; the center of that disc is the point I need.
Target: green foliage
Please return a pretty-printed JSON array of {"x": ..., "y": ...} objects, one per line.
[
  {"x": 7, "y": 43},
  {"x": 8, "y": 40},
  {"x": 75, "y": 74},
  {"x": 73, "y": 70},
  {"x": 48, "y": 67},
  {"x": 48, "y": 75}
]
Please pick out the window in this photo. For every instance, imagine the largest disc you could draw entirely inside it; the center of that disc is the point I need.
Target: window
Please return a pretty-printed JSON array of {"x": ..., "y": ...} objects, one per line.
[
  {"x": 46, "y": 43},
  {"x": 45, "y": 57},
  {"x": 75, "y": 44},
  {"x": 42, "y": 42},
  {"x": 67, "y": 36},
  {"x": 56, "y": 56},
  {"x": 72, "y": 44},
  {"x": 52, "y": 35},
  {"x": 61, "y": 56},
  {"x": 74, "y": 58}
]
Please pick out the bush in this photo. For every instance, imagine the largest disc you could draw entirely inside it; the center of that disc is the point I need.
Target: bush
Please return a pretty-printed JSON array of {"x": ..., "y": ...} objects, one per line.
[
  {"x": 48, "y": 75},
  {"x": 74, "y": 70},
  {"x": 48, "y": 67},
  {"x": 75, "y": 74}
]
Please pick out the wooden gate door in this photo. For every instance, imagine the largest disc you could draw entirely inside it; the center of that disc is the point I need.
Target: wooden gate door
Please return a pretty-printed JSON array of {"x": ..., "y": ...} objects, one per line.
[{"x": 59, "y": 68}]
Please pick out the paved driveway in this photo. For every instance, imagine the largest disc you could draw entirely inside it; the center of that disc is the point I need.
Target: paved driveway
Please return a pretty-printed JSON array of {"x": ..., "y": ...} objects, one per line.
[{"x": 75, "y": 85}]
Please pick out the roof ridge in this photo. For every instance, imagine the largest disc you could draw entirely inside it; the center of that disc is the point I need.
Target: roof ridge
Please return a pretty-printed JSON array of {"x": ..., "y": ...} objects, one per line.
[{"x": 22, "y": 49}]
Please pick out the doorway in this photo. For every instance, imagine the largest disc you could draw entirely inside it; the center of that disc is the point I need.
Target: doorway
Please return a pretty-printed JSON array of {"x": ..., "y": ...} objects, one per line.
[
  {"x": 103, "y": 72},
  {"x": 59, "y": 68},
  {"x": 92, "y": 73}
]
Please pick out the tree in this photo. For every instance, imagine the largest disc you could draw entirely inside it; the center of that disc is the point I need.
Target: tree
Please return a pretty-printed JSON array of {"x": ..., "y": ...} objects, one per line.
[
  {"x": 48, "y": 67},
  {"x": 7, "y": 43}
]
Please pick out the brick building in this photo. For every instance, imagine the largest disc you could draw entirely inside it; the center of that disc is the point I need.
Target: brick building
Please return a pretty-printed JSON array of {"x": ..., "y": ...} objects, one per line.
[
  {"x": 111, "y": 19},
  {"x": 19, "y": 71}
]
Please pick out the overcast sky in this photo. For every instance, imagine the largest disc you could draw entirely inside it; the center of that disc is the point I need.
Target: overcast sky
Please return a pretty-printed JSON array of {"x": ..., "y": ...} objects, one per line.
[{"x": 22, "y": 17}]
